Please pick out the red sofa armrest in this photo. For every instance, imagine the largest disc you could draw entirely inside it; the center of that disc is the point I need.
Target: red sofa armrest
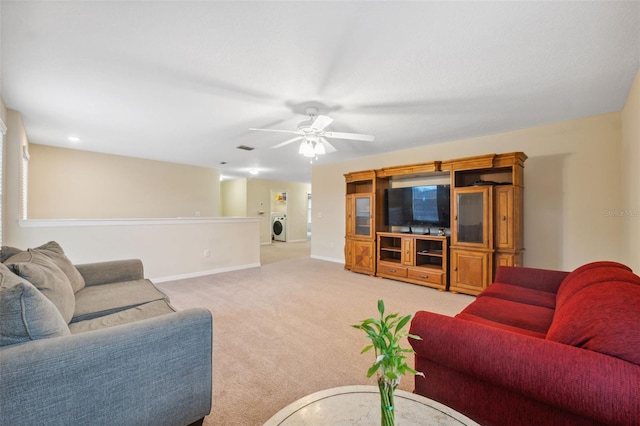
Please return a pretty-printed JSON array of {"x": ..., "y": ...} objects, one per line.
[
  {"x": 580, "y": 381},
  {"x": 537, "y": 279}
]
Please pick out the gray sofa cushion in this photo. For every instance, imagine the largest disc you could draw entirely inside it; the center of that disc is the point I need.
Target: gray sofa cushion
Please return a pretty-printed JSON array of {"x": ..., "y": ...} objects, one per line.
[
  {"x": 47, "y": 277},
  {"x": 54, "y": 252},
  {"x": 142, "y": 312},
  {"x": 8, "y": 251},
  {"x": 104, "y": 299},
  {"x": 25, "y": 313},
  {"x": 115, "y": 271}
]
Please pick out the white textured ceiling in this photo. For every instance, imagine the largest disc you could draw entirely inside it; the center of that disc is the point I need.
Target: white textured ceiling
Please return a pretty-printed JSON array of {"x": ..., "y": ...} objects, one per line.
[{"x": 183, "y": 81}]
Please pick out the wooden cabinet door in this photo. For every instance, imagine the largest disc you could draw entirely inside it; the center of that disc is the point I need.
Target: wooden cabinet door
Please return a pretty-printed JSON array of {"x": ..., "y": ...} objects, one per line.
[
  {"x": 362, "y": 216},
  {"x": 359, "y": 216},
  {"x": 470, "y": 271},
  {"x": 508, "y": 259},
  {"x": 349, "y": 225},
  {"x": 364, "y": 257},
  {"x": 408, "y": 254},
  {"x": 505, "y": 215},
  {"x": 504, "y": 259},
  {"x": 359, "y": 249},
  {"x": 348, "y": 254},
  {"x": 472, "y": 224}
]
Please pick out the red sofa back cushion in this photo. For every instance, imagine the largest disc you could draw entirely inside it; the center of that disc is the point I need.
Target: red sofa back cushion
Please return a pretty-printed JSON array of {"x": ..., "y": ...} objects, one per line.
[
  {"x": 603, "y": 317},
  {"x": 589, "y": 274}
]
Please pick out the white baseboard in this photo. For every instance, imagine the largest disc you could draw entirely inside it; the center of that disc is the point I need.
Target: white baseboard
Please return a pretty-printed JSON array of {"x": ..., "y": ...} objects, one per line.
[
  {"x": 203, "y": 273},
  {"x": 288, "y": 241},
  {"x": 328, "y": 259}
]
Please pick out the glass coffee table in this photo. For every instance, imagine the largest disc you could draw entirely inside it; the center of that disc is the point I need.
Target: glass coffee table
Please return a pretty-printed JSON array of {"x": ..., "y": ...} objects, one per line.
[{"x": 360, "y": 405}]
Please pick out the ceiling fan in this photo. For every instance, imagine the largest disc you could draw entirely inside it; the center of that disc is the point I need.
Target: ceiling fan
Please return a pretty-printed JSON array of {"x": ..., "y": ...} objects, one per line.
[{"x": 313, "y": 136}]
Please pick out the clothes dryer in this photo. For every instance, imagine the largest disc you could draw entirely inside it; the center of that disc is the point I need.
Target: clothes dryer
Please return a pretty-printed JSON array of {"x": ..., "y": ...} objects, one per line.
[{"x": 279, "y": 228}]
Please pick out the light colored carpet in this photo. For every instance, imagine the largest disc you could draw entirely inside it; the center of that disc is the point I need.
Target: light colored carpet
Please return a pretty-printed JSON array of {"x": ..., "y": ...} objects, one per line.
[
  {"x": 278, "y": 251},
  {"x": 282, "y": 330}
]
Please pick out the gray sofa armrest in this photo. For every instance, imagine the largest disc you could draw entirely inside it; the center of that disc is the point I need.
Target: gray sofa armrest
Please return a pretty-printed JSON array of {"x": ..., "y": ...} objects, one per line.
[
  {"x": 152, "y": 372},
  {"x": 111, "y": 272}
]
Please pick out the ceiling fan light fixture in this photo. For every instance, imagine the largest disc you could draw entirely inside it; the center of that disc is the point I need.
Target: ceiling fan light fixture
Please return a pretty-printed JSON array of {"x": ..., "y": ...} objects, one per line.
[
  {"x": 313, "y": 133},
  {"x": 306, "y": 149},
  {"x": 319, "y": 149}
]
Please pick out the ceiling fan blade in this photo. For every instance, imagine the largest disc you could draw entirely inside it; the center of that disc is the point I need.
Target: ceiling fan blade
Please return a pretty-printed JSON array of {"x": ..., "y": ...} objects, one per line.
[
  {"x": 352, "y": 136},
  {"x": 321, "y": 122},
  {"x": 327, "y": 146},
  {"x": 287, "y": 142},
  {"x": 295, "y": 132}
]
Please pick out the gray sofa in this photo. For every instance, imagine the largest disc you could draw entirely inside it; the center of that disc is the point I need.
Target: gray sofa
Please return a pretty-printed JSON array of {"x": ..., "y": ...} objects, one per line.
[{"x": 97, "y": 344}]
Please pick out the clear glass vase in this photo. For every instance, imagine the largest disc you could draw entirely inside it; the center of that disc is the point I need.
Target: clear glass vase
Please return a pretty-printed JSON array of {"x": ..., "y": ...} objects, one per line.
[{"x": 387, "y": 405}]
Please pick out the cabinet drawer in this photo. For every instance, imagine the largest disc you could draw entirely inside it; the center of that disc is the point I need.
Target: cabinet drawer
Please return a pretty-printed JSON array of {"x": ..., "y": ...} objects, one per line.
[
  {"x": 392, "y": 270},
  {"x": 429, "y": 276}
]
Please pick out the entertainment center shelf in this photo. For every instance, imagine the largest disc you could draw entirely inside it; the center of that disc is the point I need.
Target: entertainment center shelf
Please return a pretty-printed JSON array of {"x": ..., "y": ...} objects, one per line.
[
  {"x": 414, "y": 258},
  {"x": 479, "y": 213}
]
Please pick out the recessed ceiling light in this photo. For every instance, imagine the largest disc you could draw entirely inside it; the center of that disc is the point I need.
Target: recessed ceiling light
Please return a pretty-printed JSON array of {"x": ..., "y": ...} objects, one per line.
[
  {"x": 74, "y": 139},
  {"x": 254, "y": 171}
]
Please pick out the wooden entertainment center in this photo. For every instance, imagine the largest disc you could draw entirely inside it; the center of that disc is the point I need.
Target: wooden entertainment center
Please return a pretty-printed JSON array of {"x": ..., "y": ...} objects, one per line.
[
  {"x": 418, "y": 259},
  {"x": 486, "y": 223}
]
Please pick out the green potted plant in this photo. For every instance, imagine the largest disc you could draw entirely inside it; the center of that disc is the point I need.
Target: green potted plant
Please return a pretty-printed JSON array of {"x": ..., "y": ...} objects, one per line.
[{"x": 390, "y": 364}]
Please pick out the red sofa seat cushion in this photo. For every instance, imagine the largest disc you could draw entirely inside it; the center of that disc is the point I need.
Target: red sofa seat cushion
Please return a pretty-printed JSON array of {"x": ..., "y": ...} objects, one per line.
[
  {"x": 603, "y": 317},
  {"x": 520, "y": 294},
  {"x": 589, "y": 274},
  {"x": 530, "y": 318}
]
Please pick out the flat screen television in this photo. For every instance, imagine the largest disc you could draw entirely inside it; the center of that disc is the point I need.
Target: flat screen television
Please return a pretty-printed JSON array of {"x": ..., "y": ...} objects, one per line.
[{"x": 425, "y": 205}]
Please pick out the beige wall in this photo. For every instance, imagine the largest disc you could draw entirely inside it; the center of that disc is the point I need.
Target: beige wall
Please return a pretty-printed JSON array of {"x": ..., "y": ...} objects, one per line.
[
  {"x": 69, "y": 183},
  {"x": 572, "y": 178},
  {"x": 252, "y": 198},
  {"x": 170, "y": 249},
  {"x": 3, "y": 111},
  {"x": 233, "y": 198},
  {"x": 15, "y": 140},
  {"x": 630, "y": 205}
]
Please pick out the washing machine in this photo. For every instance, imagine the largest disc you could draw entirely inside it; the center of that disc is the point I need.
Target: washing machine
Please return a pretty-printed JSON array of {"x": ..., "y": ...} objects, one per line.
[{"x": 279, "y": 228}]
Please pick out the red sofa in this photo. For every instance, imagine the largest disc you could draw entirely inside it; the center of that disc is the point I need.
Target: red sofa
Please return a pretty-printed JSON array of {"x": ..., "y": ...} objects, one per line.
[{"x": 538, "y": 347}]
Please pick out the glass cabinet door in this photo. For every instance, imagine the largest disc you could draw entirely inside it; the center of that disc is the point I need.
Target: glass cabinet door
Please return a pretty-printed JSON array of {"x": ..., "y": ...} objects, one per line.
[
  {"x": 471, "y": 214},
  {"x": 363, "y": 215}
]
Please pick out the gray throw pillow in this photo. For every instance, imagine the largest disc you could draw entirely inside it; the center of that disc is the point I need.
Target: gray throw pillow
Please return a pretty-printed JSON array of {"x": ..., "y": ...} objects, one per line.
[
  {"x": 54, "y": 252},
  {"x": 25, "y": 313},
  {"x": 8, "y": 251},
  {"x": 47, "y": 277}
]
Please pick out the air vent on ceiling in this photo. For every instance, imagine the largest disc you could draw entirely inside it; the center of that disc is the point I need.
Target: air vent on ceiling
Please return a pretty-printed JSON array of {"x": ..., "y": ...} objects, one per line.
[{"x": 246, "y": 148}]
